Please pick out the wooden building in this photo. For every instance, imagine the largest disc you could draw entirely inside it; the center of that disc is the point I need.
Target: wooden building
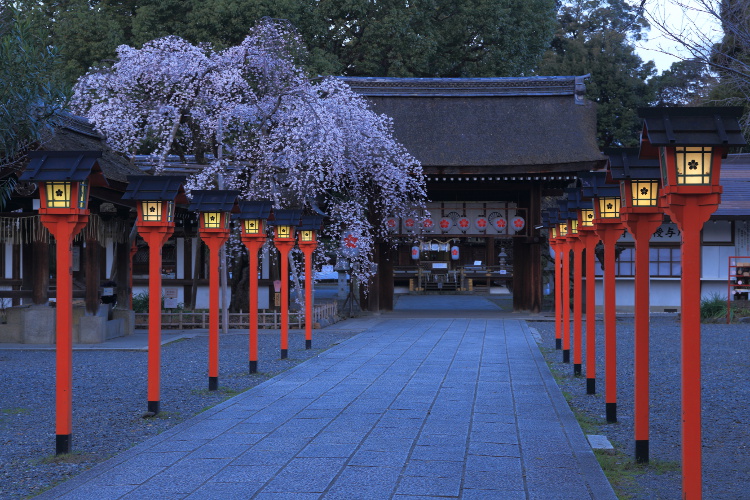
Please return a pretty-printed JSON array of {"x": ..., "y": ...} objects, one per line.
[
  {"x": 101, "y": 252},
  {"x": 491, "y": 150}
]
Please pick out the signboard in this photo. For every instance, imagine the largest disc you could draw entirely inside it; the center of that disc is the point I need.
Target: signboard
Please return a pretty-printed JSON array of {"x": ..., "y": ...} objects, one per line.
[{"x": 171, "y": 297}]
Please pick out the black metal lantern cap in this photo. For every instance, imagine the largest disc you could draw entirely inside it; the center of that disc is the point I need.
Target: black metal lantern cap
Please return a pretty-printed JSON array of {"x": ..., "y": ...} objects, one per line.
[
  {"x": 565, "y": 213},
  {"x": 69, "y": 166},
  {"x": 594, "y": 185},
  {"x": 255, "y": 209},
  {"x": 215, "y": 200},
  {"x": 285, "y": 217},
  {"x": 310, "y": 223},
  {"x": 689, "y": 126},
  {"x": 553, "y": 216},
  {"x": 156, "y": 188},
  {"x": 625, "y": 163}
]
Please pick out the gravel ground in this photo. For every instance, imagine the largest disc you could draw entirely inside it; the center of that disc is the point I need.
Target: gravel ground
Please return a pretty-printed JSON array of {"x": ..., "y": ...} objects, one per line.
[
  {"x": 109, "y": 399},
  {"x": 725, "y": 393}
]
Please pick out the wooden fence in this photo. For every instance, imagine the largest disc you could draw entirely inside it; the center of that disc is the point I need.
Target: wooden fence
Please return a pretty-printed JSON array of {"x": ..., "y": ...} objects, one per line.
[{"x": 185, "y": 320}]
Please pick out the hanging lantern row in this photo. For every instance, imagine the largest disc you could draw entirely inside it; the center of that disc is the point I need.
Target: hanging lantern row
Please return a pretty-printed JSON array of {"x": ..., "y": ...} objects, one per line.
[{"x": 482, "y": 224}]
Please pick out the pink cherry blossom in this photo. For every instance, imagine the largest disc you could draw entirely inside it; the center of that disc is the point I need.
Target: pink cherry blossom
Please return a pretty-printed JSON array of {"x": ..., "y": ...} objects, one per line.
[{"x": 302, "y": 143}]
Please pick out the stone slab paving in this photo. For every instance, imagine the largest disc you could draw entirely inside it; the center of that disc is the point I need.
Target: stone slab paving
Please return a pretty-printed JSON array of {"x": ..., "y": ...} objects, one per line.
[{"x": 410, "y": 408}]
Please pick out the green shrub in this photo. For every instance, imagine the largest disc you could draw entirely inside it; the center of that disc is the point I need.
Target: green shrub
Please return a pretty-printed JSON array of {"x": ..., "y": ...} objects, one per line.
[{"x": 713, "y": 307}]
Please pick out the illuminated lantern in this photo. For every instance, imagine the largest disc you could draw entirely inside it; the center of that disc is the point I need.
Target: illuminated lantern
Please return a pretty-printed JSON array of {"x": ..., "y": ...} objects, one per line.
[
  {"x": 482, "y": 223},
  {"x": 454, "y": 253},
  {"x": 518, "y": 223},
  {"x": 445, "y": 224},
  {"x": 415, "y": 252},
  {"x": 463, "y": 224}
]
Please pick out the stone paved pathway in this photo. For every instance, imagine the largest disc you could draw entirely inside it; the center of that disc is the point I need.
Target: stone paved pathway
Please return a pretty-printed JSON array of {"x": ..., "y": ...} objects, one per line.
[{"x": 410, "y": 408}]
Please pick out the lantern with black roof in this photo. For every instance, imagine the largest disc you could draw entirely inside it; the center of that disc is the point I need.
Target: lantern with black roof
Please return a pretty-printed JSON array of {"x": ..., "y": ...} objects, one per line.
[
  {"x": 641, "y": 214},
  {"x": 689, "y": 144},
  {"x": 64, "y": 178},
  {"x": 253, "y": 216},
  {"x": 609, "y": 227},
  {"x": 556, "y": 244},
  {"x": 589, "y": 239},
  {"x": 214, "y": 208},
  {"x": 576, "y": 244},
  {"x": 563, "y": 226},
  {"x": 155, "y": 198},
  {"x": 307, "y": 231},
  {"x": 284, "y": 223}
]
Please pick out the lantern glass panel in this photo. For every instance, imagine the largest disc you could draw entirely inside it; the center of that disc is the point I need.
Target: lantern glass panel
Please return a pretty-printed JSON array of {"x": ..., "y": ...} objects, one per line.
[
  {"x": 645, "y": 193},
  {"x": 609, "y": 207},
  {"x": 83, "y": 195},
  {"x": 212, "y": 220},
  {"x": 573, "y": 226},
  {"x": 587, "y": 217},
  {"x": 58, "y": 194},
  {"x": 553, "y": 229},
  {"x": 151, "y": 211},
  {"x": 170, "y": 211},
  {"x": 306, "y": 235},
  {"x": 283, "y": 231},
  {"x": 563, "y": 228},
  {"x": 693, "y": 165},
  {"x": 252, "y": 226}
]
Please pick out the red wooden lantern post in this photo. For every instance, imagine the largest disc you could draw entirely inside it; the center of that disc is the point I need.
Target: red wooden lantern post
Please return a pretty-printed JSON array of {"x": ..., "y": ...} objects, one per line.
[
  {"x": 156, "y": 197},
  {"x": 284, "y": 224},
  {"x": 589, "y": 239},
  {"x": 213, "y": 209},
  {"x": 641, "y": 214},
  {"x": 554, "y": 243},
  {"x": 564, "y": 245},
  {"x": 690, "y": 143},
  {"x": 574, "y": 243},
  {"x": 64, "y": 179},
  {"x": 253, "y": 215},
  {"x": 308, "y": 228},
  {"x": 609, "y": 228}
]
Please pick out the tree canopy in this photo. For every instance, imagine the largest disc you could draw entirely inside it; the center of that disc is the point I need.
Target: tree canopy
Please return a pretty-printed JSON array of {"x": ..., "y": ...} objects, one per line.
[
  {"x": 420, "y": 38},
  {"x": 285, "y": 138},
  {"x": 596, "y": 37},
  {"x": 31, "y": 89}
]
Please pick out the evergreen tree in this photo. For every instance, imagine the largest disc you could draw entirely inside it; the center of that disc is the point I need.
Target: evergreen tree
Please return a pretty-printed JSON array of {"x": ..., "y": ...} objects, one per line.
[{"x": 595, "y": 37}]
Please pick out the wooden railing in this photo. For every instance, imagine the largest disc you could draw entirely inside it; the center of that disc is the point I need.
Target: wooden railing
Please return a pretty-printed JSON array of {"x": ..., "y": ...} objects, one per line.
[{"x": 185, "y": 320}]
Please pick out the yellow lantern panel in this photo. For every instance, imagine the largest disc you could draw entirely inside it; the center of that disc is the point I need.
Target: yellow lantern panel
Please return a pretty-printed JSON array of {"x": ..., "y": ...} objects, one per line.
[
  {"x": 644, "y": 193},
  {"x": 693, "y": 165},
  {"x": 58, "y": 194},
  {"x": 306, "y": 236},
  {"x": 283, "y": 231},
  {"x": 587, "y": 217},
  {"x": 563, "y": 229},
  {"x": 212, "y": 220},
  {"x": 151, "y": 211},
  {"x": 553, "y": 229},
  {"x": 573, "y": 226},
  {"x": 252, "y": 226},
  {"x": 609, "y": 207}
]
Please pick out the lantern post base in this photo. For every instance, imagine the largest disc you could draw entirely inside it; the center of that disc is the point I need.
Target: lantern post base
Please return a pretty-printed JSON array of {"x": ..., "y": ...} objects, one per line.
[
  {"x": 641, "y": 451},
  {"x": 63, "y": 444},
  {"x": 566, "y": 355},
  {"x": 284, "y": 353},
  {"x": 577, "y": 369},
  {"x": 308, "y": 344},
  {"x": 558, "y": 344},
  {"x": 611, "y": 409},
  {"x": 590, "y": 386},
  {"x": 213, "y": 383},
  {"x": 253, "y": 367},
  {"x": 153, "y": 407}
]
